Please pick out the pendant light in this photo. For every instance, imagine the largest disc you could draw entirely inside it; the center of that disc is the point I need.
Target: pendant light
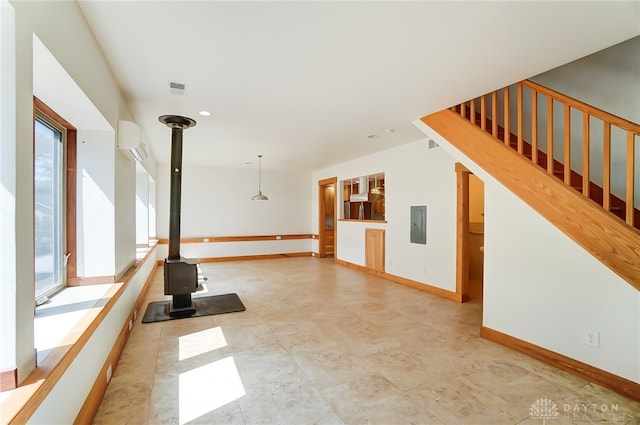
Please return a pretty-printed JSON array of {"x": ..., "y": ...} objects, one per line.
[{"x": 259, "y": 196}]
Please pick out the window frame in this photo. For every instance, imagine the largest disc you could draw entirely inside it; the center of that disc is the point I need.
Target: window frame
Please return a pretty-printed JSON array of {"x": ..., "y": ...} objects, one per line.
[{"x": 69, "y": 139}]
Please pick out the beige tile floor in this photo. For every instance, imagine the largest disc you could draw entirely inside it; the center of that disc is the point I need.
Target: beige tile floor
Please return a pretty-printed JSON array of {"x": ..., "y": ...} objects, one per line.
[{"x": 322, "y": 344}]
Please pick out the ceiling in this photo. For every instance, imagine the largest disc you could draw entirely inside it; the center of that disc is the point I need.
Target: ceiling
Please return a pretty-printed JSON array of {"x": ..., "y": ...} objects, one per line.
[{"x": 306, "y": 83}]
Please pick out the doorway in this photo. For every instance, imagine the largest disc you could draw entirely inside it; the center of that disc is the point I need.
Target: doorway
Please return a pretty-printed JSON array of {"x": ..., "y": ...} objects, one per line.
[
  {"x": 327, "y": 217},
  {"x": 469, "y": 235}
]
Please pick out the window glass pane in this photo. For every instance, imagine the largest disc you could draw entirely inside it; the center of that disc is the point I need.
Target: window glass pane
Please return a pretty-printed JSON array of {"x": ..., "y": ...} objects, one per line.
[{"x": 48, "y": 206}]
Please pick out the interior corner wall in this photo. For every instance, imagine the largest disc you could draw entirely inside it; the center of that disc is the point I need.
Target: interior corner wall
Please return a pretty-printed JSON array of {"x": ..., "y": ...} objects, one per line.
[
  {"x": 217, "y": 202},
  {"x": 543, "y": 288},
  {"x": 414, "y": 175}
]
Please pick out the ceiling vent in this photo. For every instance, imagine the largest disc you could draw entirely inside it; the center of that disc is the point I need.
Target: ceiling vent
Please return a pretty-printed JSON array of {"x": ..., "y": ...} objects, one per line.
[
  {"x": 130, "y": 140},
  {"x": 177, "y": 88}
]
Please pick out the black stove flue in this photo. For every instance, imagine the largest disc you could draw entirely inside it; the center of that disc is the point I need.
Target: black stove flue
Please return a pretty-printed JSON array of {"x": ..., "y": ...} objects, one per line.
[{"x": 180, "y": 274}]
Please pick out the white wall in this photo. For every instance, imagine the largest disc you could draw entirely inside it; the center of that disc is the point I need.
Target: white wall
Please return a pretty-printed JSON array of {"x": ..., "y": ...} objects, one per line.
[
  {"x": 617, "y": 73},
  {"x": 543, "y": 288},
  {"x": 414, "y": 175},
  {"x": 7, "y": 188},
  {"x": 81, "y": 59},
  {"x": 142, "y": 205},
  {"x": 125, "y": 219},
  {"x": 536, "y": 274},
  {"x": 217, "y": 202},
  {"x": 95, "y": 204}
]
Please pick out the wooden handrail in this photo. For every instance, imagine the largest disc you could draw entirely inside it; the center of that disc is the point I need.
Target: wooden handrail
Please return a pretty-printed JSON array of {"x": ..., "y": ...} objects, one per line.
[
  {"x": 582, "y": 220},
  {"x": 578, "y": 104},
  {"x": 623, "y": 207}
]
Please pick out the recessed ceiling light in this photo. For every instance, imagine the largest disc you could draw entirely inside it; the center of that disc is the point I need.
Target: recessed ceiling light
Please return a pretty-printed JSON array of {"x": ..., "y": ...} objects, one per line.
[
  {"x": 372, "y": 136},
  {"x": 204, "y": 113}
]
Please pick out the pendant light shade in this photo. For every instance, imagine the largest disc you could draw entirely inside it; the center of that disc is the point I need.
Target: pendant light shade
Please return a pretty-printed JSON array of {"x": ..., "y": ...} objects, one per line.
[{"x": 259, "y": 196}]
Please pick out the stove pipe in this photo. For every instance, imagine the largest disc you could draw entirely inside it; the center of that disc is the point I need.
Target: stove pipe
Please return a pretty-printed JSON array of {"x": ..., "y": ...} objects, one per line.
[{"x": 177, "y": 124}]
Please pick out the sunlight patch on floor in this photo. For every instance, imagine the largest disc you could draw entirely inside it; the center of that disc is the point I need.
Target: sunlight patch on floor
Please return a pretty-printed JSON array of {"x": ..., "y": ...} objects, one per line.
[
  {"x": 206, "y": 388},
  {"x": 201, "y": 342}
]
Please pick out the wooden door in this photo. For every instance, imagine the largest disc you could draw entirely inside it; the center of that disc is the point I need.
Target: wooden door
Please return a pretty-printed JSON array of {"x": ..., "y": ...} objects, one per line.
[
  {"x": 374, "y": 249},
  {"x": 327, "y": 231}
]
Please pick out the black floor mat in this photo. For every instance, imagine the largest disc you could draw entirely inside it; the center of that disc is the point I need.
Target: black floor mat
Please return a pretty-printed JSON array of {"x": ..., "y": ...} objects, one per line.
[{"x": 158, "y": 311}]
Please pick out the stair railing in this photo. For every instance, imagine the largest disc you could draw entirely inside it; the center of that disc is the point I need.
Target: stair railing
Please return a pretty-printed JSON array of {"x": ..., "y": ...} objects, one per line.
[{"x": 536, "y": 121}]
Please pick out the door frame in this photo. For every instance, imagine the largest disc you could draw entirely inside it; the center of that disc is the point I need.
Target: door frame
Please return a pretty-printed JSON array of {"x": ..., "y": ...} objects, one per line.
[
  {"x": 462, "y": 232},
  {"x": 322, "y": 253}
]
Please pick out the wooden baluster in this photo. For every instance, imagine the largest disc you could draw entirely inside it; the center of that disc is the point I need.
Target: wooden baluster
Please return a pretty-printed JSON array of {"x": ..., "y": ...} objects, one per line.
[
  {"x": 472, "y": 111},
  {"x": 567, "y": 144},
  {"x": 549, "y": 135},
  {"x": 606, "y": 167},
  {"x": 505, "y": 125},
  {"x": 586, "y": 180},
  {"x": 494, "y": 114},
  {"x": 534, "y": 126},
  {"x": 463, "y": 112},
  {"x": 630, "y": 165},
  {"x": 519, "y": 113},
  {"x": 483, "y": 113}
]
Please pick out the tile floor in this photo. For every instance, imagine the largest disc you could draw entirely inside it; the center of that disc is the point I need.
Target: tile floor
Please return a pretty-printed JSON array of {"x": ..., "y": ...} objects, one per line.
[{"x": 322, "y": 344}]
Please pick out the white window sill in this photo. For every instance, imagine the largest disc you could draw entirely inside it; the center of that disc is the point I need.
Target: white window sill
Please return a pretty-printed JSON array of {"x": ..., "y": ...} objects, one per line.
[{"x": 55, "y": 319}]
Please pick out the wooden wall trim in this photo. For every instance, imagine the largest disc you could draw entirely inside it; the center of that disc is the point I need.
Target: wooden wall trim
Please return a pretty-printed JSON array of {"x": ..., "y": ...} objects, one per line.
[
  {"x": 403, "y": 281},
  {"x": 8, "y": 379},
  {"x": 92, "y": 403},
  {"x": 608, "y": 380},
  {"x": 596, "y": 230},
  {"x": 355, "y": 220},
  {"x": 91, "y": 280},
  {"x": 18, "y": 407},
  {"x": 250, "y": 238},
  {"x": 249, "y": 257}
]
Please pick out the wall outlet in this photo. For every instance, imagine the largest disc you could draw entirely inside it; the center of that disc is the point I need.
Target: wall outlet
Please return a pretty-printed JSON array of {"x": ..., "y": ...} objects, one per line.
[
  {"x": 130, "y": 325},
  {"x": 278, "y": 238},
  {"x": 205, "y": 240},
  {"x": 135, "y": 314},
  {"x": 109, "y": 373},
  {"x": 592, "y": 338}
]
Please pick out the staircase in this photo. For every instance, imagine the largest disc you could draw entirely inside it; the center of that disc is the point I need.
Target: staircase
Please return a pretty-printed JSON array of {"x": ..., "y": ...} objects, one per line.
[{"x": 563, "y": 158}]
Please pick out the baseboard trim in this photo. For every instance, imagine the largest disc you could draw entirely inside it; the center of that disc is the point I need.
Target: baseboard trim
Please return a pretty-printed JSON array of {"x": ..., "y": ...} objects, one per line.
[
  {"x": 424, "y": 287},
  {"x": 92, "y": 403},
  {"x": 249, "y": 257},
  {"x": 608, "y": 380},
  {"x": 8, "y": 379}
]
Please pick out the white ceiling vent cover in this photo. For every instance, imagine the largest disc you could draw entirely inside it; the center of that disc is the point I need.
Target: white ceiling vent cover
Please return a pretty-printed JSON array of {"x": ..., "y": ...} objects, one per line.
[
  {"x": 130, "y": 140},
  {"x": 177, "y": 88}
]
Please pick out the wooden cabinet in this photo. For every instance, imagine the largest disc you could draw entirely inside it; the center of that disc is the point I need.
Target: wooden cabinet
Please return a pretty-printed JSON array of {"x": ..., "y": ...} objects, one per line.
[
  {"x": 374, "y": 249},
  {"x": 352, "y": 210}
]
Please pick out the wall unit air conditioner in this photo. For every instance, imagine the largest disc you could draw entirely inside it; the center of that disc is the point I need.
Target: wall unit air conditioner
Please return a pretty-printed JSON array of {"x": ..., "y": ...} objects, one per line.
[{"x": 130, "y": 140}]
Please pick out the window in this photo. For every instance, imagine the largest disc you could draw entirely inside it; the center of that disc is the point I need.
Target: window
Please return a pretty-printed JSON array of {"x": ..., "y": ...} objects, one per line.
[
  {"x": 49, "y": 207},
  {"x": 54, "y": 200},
  {"x": 364, "y": 198}
]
